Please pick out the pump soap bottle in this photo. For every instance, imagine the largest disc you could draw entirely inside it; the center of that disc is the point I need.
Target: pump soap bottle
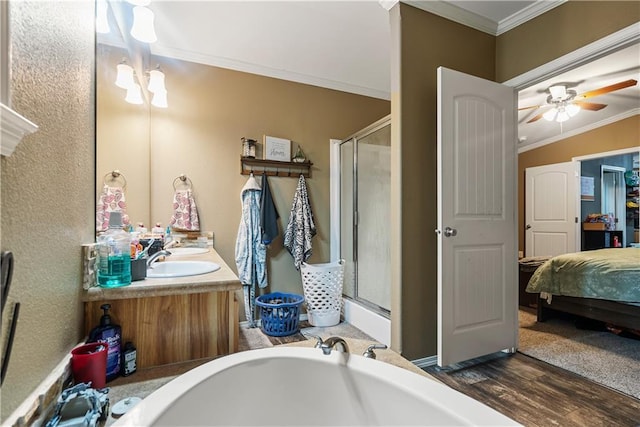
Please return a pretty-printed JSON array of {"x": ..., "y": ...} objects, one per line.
[
  {"x": 111, "y": 334},
  {"x": 114, "y": 255}
]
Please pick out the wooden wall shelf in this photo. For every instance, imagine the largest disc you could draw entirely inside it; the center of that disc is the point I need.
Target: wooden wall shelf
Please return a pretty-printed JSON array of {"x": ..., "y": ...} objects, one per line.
[{"x": 274, "y": 168}]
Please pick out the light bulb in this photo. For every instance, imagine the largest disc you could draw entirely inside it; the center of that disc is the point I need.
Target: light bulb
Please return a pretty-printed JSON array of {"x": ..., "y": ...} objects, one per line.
[
  {"x": 563, "y": 116},
  {"x": 572, "y": 109},
  {"x": 124, "y": 78},
  {"x": 558, "y": 92},
  {"x": 102, "y": 21},
  {"x": 550, "y": 115},
  {"x": 134, "y": 94},
  {"x": 142, "y": 28},
  {"x": 156, "y": 81},
  {"x": 160, "y": 99}
]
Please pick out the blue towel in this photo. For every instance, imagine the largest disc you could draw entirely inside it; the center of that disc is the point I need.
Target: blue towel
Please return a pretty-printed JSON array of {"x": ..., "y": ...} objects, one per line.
[{"x": 268, "y": 214}]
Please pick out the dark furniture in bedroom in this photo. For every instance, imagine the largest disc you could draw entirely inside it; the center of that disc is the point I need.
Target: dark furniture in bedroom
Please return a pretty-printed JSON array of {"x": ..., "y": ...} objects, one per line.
[
  {"x": 600, "y": 239},
  {"x": 611, "y": 312}
]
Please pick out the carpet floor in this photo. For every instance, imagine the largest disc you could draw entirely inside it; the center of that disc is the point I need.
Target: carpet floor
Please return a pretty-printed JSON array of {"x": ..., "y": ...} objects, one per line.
[{"x": 600, "y": 356}]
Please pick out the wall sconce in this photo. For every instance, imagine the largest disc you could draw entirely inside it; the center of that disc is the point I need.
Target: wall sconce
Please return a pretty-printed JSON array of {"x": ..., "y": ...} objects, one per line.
[
  {"x": 124, "y": 78},
  {"x": 134, "y": 94},
  {"x": 143, "y": 28},
  {"x": 156, "y": 81}
]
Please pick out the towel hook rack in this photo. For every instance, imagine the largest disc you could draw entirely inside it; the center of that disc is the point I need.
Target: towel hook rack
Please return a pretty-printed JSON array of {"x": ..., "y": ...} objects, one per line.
[
  {"x": 184, "y": 179},
  {"x": 113, "y": 176}
]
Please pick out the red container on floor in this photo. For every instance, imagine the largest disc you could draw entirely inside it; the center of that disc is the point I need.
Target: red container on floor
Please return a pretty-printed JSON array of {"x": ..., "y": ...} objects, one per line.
[{"x": 89, "y": 363}]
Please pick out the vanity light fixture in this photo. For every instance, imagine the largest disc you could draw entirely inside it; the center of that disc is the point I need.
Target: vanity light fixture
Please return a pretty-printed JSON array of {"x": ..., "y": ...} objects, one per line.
[
  {"x": 156, "y": 81},
  {"x": 102, "y": 21},
  {"x": 143, "y": 29},
  {"x": 124, "y": 78},
  {"x": 134, "y": 94},
  {"x": 160, "y": 99}
]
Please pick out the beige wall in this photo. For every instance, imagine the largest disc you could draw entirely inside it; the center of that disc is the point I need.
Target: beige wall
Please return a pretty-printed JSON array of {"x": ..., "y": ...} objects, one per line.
[
  {"x": 560, "y": 31},
  {"x": 48, "y": 186},
  {"x": 427, "y": 41},
  {"x": 423, "y": 42},
  {"x": 616, "y": 136},
  {"x": 210, "y": 109}
]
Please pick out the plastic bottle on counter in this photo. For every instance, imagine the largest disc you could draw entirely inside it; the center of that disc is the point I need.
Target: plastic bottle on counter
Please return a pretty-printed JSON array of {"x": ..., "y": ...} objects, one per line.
[
  {"x": 129, "y": 356},
  {"x": 110, "y": 333},
  {"x": 114, "y": 254}
]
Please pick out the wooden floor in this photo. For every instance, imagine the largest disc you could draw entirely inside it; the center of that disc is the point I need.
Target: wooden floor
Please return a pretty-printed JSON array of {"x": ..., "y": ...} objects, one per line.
[{"x": 535, "y": 393}]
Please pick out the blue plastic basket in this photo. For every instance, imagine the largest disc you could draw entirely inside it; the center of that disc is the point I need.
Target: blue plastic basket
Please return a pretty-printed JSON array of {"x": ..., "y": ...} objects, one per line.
[{"x": 280, "y": 313}]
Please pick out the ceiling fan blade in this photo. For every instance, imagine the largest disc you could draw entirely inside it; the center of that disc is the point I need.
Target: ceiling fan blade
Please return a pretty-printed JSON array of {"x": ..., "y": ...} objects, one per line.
[
  {"x": 536, "y": 118},
  {"x": 607, "y": 89},
  {"x": 591, "y": 106},
  {"x": 531, "y": 107}
]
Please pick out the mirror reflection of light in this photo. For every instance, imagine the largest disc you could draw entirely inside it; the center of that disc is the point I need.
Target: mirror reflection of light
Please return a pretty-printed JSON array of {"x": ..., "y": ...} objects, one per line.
[
  {"x": 124, "y": 78},
  {"x": 156, "y": 81},
  {"x": 142, "y": 28},
  {"x": 160, "y": 99},
  {"x": 134, "y": 94},
  {"x": 102, "y": 22}
]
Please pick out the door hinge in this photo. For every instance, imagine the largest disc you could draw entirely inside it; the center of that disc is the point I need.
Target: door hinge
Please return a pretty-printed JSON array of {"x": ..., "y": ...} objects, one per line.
[{"x": 576, "y": 220}]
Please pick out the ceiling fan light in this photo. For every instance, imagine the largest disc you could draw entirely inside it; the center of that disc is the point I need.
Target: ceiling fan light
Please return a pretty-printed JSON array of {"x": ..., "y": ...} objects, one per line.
[
  {"x": 156, "y": 81},
  {"x": 134, "y": 94},
  {"x": 563, "y": 116},
  {"x": 550, "y": 115},
  {"x": 160, "y": 99},
  {"x": 102, "y": 21},
  {"x": 572, "y": 109},
  {"x": 124, "y": 78},
  {"x": 143, "y": 29},
  {"x": 558, "y": 92}
]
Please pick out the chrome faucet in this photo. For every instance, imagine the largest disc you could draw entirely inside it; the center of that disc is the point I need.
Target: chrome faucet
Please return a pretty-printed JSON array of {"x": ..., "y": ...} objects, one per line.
[
  {"x": 331, "y": 343},
  {"x": 369, "y": 353},
  {"x": 153, "y": 258}
]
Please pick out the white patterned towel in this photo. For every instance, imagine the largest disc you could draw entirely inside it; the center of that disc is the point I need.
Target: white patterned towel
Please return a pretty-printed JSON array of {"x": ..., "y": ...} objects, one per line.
[
  {"x": 185, "y": 212},
  {"x": 301, "y": 228},
  {"x": 111, "y": 200}
]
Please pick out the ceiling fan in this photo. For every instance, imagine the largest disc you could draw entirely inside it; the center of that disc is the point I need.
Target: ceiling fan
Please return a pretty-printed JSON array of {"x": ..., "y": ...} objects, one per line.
[{"x": 563, "y": 103}]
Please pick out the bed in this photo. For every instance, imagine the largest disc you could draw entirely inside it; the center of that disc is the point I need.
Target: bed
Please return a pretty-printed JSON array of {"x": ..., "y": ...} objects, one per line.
[{"x": 601, "y": 285}]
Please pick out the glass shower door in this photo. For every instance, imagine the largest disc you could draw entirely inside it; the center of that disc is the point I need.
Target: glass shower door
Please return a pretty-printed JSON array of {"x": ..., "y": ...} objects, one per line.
[{"x": 365, "y": 217}]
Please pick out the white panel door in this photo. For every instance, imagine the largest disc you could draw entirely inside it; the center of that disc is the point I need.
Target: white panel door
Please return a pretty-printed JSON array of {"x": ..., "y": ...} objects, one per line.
[
  {"x": 477, "y": 239},
  {"x": 551, "y": 209}
]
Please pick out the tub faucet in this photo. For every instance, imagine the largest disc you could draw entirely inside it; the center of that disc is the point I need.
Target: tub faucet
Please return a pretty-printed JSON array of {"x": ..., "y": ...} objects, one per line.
[
  {"x": 153, "y": 258},
  {"x": 334, "y": 342}
]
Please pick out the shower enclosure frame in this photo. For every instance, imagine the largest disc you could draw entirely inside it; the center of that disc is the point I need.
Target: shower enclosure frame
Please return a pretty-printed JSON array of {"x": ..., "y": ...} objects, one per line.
[{"x": 362, "y": 313}]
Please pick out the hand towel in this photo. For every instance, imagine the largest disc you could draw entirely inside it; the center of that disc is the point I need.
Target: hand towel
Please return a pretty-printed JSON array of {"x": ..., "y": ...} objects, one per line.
[
  {"x": 268, "y": 214},
  {"x": 111, "y": 200},
  {"x": 301, "y": 227},
  {"x": 185, "y": 212}
]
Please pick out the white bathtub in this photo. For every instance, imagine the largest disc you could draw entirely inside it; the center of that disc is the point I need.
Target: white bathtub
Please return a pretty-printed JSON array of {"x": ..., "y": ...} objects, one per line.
[{"x": 303, "y": 387}]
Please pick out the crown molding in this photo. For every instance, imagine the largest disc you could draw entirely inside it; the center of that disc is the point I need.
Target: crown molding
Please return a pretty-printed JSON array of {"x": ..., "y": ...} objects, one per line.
[
  {"x": 456, "y": 14},
  {"x": 532, "y": 11},
  {"x": 532, "y": 146},
  {"x": 262, "y": 70},
  {"x": 14, "y": 127},
  {"x": 481, "y": 23}
]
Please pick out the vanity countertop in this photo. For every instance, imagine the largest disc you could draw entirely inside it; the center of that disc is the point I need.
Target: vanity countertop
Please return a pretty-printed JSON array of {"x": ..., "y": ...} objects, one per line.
[{"x": 223, "y": 279}]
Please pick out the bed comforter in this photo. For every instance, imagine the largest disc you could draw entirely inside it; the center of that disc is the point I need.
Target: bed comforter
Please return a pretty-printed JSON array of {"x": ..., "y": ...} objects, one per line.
[{"x": 611, "y": 274}]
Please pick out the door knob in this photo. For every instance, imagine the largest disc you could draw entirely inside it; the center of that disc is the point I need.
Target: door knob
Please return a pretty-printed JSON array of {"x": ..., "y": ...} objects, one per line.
[
  {"x": 450, "y": 232},
  {"x": 528, "y": 227}
]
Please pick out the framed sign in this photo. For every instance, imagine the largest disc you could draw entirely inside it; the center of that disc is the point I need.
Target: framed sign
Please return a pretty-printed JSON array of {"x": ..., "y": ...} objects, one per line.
[
  {"x": 277, "y": 149},
  {"x": 587, "y": 188}
]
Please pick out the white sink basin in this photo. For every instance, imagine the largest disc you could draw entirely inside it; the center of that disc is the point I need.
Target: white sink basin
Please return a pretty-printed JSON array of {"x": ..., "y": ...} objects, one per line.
[
  {"x": 164, "y": 269},
  {"x": 187, "y": 251}
]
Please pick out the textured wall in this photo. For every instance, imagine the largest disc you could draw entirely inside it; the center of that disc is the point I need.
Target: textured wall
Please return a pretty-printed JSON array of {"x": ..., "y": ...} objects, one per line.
[{"x": 48, "y": 186}]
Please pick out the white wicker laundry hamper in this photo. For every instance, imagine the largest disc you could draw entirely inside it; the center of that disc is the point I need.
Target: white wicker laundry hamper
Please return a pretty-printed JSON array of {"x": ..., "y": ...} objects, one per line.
[{"x": 322, "y": 286}]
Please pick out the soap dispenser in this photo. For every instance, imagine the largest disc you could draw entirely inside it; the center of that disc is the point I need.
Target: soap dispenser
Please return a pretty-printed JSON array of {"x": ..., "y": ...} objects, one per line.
[{"x": 111, "y": 334}]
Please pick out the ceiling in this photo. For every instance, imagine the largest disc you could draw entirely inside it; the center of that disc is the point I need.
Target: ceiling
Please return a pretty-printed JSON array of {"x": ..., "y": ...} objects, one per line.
[{"x": 345, "y": 45}]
